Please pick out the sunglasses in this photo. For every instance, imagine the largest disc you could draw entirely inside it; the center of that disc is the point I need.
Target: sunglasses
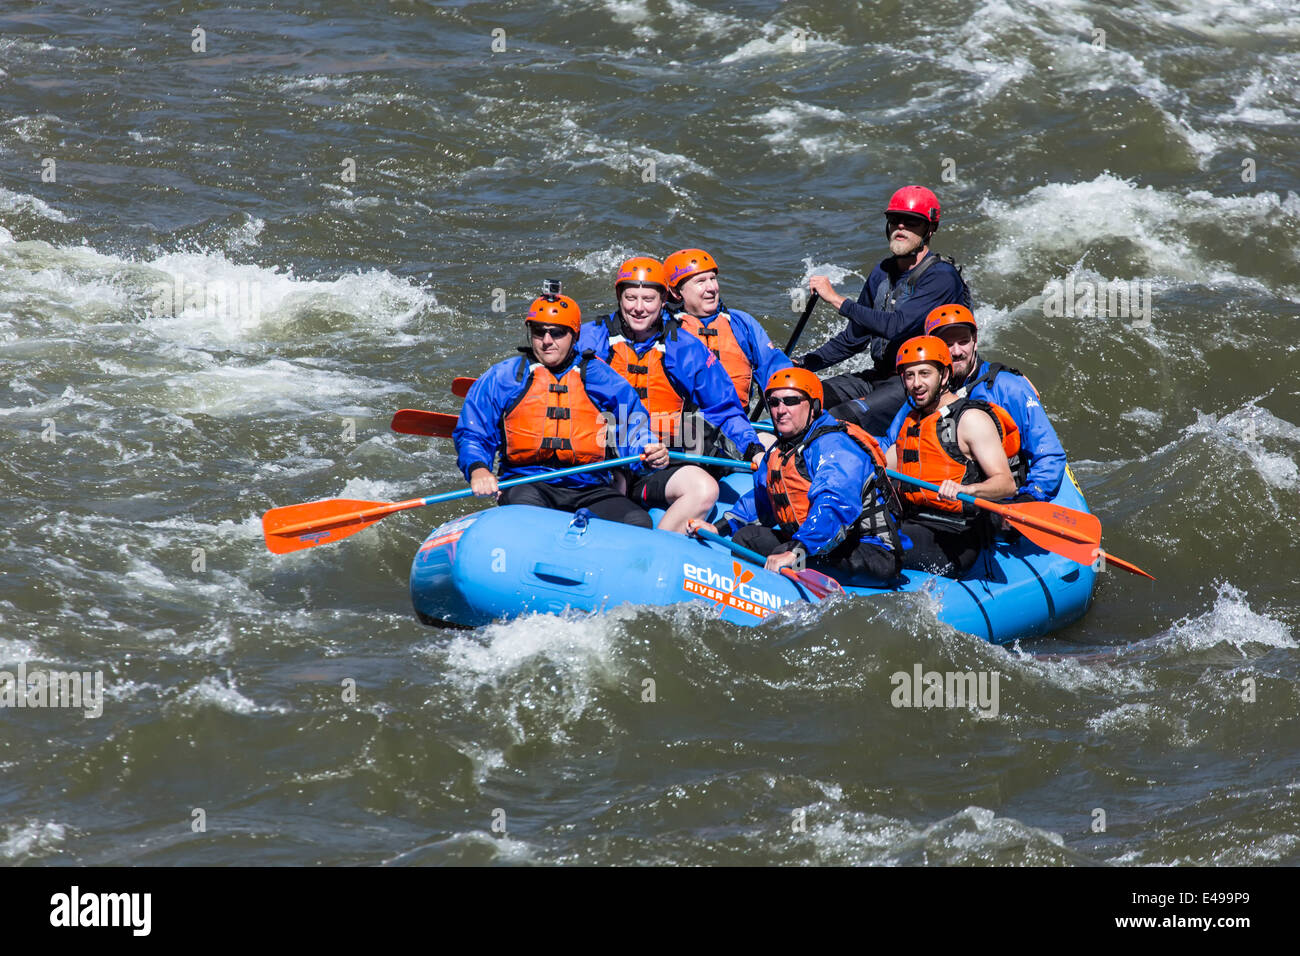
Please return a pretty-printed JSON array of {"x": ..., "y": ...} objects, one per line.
[
  {"x": 790, "y": 400},
  {"x": 910, "y": 223},
  {"x": 556, "y": 332}
]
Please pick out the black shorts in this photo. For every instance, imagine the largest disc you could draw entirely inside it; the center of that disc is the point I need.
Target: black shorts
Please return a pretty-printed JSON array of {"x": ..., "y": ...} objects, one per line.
[
  {"x": 601, "y": 500},
  {"x": 651, "y": 491},
  {"x": 871, "y": 405}
]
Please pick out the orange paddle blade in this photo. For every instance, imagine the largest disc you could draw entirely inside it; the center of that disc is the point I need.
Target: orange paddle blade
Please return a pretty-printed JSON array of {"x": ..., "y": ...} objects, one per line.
[
  {"x": 460, "y": 386},
  {"x": 295, "y": 527},
  {"x": 1125, "y": 565},
  {"x": 1074, "y": 534},
  {"x": 1084, "y": 552},
  {"x": 819, "y": 585},
  {"x": 413, "y": 421}
]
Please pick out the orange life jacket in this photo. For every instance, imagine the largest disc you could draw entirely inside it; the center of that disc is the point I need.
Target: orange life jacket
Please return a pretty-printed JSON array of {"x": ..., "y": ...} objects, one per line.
[
  {"x": 649, "y": 378},
  {"x": 788, "y": 481},
  {"x": 720, "y": 339},
  {"x": 928, "y": 449},
  {"x": 553, "y": 422}
]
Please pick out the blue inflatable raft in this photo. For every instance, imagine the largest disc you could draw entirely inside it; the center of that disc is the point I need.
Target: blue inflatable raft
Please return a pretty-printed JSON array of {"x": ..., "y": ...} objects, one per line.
[{"x": 507, "y": 561}]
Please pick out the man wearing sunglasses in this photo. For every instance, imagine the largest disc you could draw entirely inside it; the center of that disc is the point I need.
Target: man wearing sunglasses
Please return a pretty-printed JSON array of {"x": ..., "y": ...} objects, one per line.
[
  {"x": 821, "y": 491},
  {"x": 891, "y": 308},
  {"x": 542, "y": 410}
]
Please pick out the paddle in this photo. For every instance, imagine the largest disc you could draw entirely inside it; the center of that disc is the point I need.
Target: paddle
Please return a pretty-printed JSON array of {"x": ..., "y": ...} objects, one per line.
[
  {"x": 460, "y": 386},
  {"x": 819, "y": 585},
  {"x": 794, "y": 337},
  {"x": 803, "y": 320},
  {"x": 708, "y": 460},
  {"x": 295, "y": 527},
  {"x": 1064, "y": 531},
  {"x": 412, "y": 421}
]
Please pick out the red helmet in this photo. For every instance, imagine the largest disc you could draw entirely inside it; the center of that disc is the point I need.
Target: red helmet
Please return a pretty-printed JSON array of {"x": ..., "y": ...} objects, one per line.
[
  {"x": 949, "y": 315},
  {"x": 924, "y": 348},
  {"x": 640, "y": 270},
  {"x": 684, "y": 263},
  {"x": 556, "y": 310},
  {"x": 800, "y": 379},
  {"x": 916, "y": 201}
]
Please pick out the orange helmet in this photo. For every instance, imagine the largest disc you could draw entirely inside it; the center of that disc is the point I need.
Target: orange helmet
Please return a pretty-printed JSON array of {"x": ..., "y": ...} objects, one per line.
[
  {"x": 556, "y": 310},
  {"x": 949, "y": 315},
  {"x": 924, "y": 348},
  {"x": 800, "y": 379},
  {"x": 640, "y": 270},
  {"x": 684, "y": 263}
]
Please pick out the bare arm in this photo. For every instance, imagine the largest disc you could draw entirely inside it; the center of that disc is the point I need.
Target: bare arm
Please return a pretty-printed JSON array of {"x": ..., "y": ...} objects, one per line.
[{"x": 978, "y": 438}]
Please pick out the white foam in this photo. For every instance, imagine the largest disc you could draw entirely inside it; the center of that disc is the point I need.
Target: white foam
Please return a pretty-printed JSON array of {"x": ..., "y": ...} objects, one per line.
[
  {"x": 33, "y": 839},
  {"x": 1231, "y": 621},
  {"x": 1256, "y": 102},
  {"x": 1243, "y": 431},
  {"x": 1063, "y": 220},
  {"x": 782, "y": 40},
  {"x": 990, "y": 47},
  {"x": 275, "y": 385},
  {"x": 577, "y": 148},
  {"x": 966, "y": 837},
  {"x": 13, "y": 203},
  {"x": 580, "y": 645},
  {"x": 202, "y": 298},
  {"x": 314, "y": 83},
  {"x": 627, "y": 11},
  {"x": 1143, "y": 416},
  {"x": 703, "y": 20},
  {"x": 15, "y": 651},
  {"x": 602, "y": 262},
  {"x": 1226, "y": 20},
  {"x": 370, "y": 488},
  {"x": 210, "y": 692},
  {"x": 220, "y": 302},
  {"x": 68, "y": 398},
  {"x": 35, "y": 127},
  {"x": 789, "y": 121},
  {"x": 245, "y": 235}
]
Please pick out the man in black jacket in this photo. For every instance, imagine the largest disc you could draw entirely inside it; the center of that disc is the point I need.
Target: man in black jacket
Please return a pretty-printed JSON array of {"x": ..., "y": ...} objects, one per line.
[{"x": 898, "y": 295}]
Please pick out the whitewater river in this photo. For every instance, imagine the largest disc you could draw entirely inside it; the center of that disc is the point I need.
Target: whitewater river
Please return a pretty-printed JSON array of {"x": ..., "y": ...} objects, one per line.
[{"x": 234, "y": 242}]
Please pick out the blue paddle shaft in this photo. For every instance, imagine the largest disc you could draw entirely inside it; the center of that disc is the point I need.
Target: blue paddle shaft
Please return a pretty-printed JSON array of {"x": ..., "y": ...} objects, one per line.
[
  {"x": 544, "y": 476},
  {"x": 735, "y": 549},
  {"x": 706, "y": 460},
  {"x": 930, "y": 486}
]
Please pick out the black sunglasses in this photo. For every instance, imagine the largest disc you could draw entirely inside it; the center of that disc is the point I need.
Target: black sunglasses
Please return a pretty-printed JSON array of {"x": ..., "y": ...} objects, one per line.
[
  {"x": 914, "y": 224},
  {"x": 774, "y": 400},
  {"x": 556, "y": 332}
]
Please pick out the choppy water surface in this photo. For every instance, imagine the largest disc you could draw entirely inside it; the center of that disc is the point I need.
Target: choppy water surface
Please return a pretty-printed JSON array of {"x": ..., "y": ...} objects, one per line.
[{"x": 205, "y": 314}]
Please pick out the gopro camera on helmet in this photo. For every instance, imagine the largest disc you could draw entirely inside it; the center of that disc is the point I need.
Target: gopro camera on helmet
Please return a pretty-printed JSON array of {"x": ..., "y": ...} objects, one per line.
[{"x": 550, "y": 288}]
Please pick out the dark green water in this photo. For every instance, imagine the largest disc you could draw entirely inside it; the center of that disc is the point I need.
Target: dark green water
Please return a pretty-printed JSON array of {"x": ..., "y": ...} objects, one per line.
[{"x": 145, "y": 432}]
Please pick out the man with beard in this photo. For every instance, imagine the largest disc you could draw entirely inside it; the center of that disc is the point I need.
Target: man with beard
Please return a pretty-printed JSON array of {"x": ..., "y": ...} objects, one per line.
[
  {"x": 890, "y": 309},
  {"x": 959, "y": 444},
  {"x": 543, "y": 411},
  {"x": 1007, "y": 388}
]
